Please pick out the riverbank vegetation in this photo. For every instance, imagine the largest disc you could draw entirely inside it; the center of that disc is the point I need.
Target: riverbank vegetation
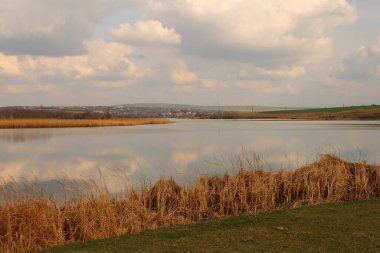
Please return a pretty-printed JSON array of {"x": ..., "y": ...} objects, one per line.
[
  {"x": 318, "y": 228},
  {"x": 33, "y": 220},
  {"x": 64, "y": 123},
  {"x": 371, "y": 112}
]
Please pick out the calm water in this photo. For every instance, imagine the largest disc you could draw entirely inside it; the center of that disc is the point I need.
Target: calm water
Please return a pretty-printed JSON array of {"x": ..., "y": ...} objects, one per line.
[{"x": 182, "y": 150}]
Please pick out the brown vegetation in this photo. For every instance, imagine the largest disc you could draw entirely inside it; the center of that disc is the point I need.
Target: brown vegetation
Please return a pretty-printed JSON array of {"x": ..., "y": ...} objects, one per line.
[
  {"x": 32, "y": 221},
  {"x": 360, "y": 114},
  {"x": 61, "y": 123},
  {"x": 322, "y": 114}
]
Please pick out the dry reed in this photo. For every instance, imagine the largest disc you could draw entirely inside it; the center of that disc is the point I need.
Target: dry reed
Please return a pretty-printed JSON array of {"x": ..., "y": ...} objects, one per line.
[
  {"x": 63, "y": 123},
  {"x": 34, "y": 221}
]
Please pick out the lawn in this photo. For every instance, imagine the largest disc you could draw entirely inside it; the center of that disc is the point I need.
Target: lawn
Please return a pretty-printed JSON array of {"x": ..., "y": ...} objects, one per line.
[{"x": 341, "y": 227}]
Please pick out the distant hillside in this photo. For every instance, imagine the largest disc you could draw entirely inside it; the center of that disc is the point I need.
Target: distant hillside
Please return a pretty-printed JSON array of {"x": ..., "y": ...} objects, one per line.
[
  {"x": 369, "y": 112},
  {"x": 237, "y": 108},
  {"x": 156, "y": 105},
  {"x": 161, "y": 110},
  {"x": 246, "y": 108},
  {"x": 326, "y": 109}
]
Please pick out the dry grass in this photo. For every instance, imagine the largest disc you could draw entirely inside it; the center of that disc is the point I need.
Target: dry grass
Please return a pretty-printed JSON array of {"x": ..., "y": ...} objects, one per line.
[
  {"x": 358, "y": 113},
  {"x": 33, "y": 220},
  {"x": 62, "y": 123}
]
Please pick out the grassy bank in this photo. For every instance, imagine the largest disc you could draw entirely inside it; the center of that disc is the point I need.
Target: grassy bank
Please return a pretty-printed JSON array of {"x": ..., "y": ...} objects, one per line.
[
  {"x": 329, "y": 109},
  {"x": 342, "y": 227},
  {"x": 371, "y": 112},
  {"x": 63, "y": 123},
  {"x": 33, "y": 220}
]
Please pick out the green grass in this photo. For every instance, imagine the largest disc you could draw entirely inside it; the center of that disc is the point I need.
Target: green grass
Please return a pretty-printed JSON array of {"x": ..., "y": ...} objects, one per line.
[
  {"x": 328, "y": 110},
  {"x": 342, "y": 227}
]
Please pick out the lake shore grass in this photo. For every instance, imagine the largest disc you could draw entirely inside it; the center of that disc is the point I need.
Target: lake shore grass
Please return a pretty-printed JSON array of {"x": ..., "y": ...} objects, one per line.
[
  {"x": 339, "y": 227},
  {"x": 66, "y": 123},
  {"x": 31, "y": 220},
  {"x": 371, "y": 112}
]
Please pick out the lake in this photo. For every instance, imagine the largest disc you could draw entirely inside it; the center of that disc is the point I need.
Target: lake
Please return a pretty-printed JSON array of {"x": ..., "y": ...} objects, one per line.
[{"x": 183, "y": 150}]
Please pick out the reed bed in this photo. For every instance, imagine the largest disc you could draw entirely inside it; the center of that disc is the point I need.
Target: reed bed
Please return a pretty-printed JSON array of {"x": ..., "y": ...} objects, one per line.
[
  {"x": 33, "y": 220},
  {"x": 64, "y": 123}
]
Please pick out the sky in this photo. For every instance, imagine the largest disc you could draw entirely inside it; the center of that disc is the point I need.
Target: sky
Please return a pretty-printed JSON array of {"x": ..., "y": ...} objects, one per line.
[{"x": 307, "y": 53}]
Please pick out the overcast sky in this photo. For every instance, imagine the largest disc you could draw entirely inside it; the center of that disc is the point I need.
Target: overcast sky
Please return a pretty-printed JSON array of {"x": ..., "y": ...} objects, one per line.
[{"x": 238, "y": 52}]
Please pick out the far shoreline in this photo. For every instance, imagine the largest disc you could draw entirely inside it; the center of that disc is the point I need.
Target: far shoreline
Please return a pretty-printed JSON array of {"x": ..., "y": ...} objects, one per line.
[
  {"x": 73, "y": 123},
  {"x": 358, "y": 113}
]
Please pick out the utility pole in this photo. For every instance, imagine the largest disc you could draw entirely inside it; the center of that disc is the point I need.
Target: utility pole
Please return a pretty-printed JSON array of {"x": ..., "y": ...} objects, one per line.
[{"x": 218, "y": 110}]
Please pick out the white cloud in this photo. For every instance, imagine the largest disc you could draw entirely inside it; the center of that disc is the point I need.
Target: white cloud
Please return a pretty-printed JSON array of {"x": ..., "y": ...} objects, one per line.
[
  {"x": 51, "y": 28},
  {"x": 375, "y": 48},
  {"x": 269, "y": 50},
  {"x": 263, "y": 86},
  {"x": 212, "y": 84},
  {"x": 23, "y": 88},
  {"x": 9, "y": 65},
  {"x": 184, "y": 80},
  {"x": 290, "y": 72},
  {"x": 104, "y": 64},
  {"x": 378, "y": 71},
  {"x": 251, "y": 72},
  {"x": 14, "y": 89},
  {"x": 233, "y": 28},
  {"x": 361, "y": 65},
  {"x": 146, "y": 32},
  {"x": 183, "y": 88},
  {"x": 183, "y": 76}
]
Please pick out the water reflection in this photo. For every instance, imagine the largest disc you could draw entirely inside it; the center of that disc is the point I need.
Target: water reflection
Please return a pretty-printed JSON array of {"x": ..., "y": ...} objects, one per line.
[
  {"x": 21, "y": 135},
  {"x": 183, "y": 150}
]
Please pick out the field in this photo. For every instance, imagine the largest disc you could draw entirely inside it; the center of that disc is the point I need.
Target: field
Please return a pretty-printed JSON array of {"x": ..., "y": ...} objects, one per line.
[
  {"x": 335, "y": 113},
  {"x": 329, "y": 109},
  {"x": 64, "y": 123},
  {"x": 371, "y": 112},
  {"x": 341, "y": 227},
  {"x": 31, "y": 220}
]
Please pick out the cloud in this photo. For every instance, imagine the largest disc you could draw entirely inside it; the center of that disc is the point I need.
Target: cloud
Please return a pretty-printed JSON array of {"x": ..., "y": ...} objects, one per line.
[
  {"x": 9, "y": 65},
  {"x": 106, "y": 64},
  {"x": 51, "y": 28},
  {"x": 23, "y": 88},
  {"x": 274, "y": 30},
  {"x": 13, "y": 89},
  {"x": 361, "y": 65},
  {"x": 289, "y": 72},
  {"x": 183, "y": 76},
  {"x": 183, "y": 88},
  {"x": 185, "y": 80},
  {"x": 281, "y": 72},
  {"x": 146, "y": 32},
  {"x": 212, "y": 84},
  {"x": 184, "y": 51},
  {"x": 263, "y": 86}
]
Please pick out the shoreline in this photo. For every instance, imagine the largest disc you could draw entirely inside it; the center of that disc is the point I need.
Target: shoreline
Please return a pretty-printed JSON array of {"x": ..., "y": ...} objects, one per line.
[
  {"x": 328, "y": 114},
  {"x": 73, "y": 123},
  {"x": 97, "y": 214},
  {"x": 317, "y": 228}
]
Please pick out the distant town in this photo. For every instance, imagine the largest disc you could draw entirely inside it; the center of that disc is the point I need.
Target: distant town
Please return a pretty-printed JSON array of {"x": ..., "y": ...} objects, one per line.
[{"x": 127, "y": 110}]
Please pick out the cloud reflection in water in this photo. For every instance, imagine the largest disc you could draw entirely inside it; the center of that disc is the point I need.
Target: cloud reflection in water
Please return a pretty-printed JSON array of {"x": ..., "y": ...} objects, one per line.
[{"x": 182, "y": 150}]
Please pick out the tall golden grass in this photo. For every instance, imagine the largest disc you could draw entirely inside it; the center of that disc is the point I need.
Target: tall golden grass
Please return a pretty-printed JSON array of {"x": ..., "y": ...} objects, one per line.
[
  {"x": 62, "y": 123},
  {"x": 34, "y": 220}
]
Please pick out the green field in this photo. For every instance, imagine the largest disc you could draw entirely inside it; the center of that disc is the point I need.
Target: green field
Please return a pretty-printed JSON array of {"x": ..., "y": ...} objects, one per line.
[
  {"x": 343, "y": 227},
  {"x": 328, "y": 110}
]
